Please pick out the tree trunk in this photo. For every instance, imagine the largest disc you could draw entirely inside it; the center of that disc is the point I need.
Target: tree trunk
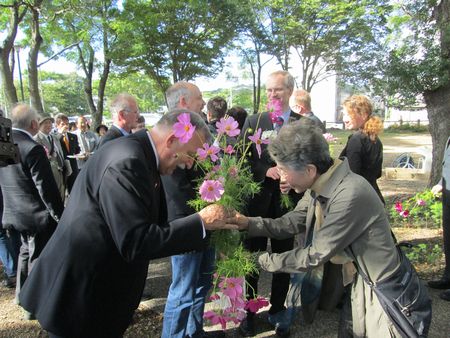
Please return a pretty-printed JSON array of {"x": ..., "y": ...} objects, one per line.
[
  {"x": 89, "y": 70},
  {"x": 6, "y": 70},
  {"x": 33, "y": 78},
  {"x": 7, "y": 79},
  {"x": 438, "y": 108},
  {"x": 98, "y": 117}
]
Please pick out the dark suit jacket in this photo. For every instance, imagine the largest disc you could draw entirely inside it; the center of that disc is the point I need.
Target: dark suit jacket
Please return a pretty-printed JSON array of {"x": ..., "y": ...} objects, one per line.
[
  {"x": 32, "y": 202},
  {"x": 90, "y": 276},
  {"x": 111, "y": 134},
  {"x": 74, "y": 148},
  {"x": 267, "y": 202}
]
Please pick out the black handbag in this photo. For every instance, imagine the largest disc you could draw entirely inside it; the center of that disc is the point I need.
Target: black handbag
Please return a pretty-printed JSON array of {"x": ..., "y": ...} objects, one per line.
[{"x": 404, "y": 298}]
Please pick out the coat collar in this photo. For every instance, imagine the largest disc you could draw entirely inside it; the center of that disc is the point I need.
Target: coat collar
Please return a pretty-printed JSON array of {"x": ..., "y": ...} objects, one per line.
[{"x": 327, "y": 183}]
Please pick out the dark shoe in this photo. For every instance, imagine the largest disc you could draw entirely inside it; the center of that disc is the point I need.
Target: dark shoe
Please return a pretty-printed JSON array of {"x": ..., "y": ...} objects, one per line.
[
  {"x": 441, "y": 284},
  {"x": 9, "y": 282},
  {"x": 247, "y": 326},
  {"x": 282, "y": 332},
  {"x": 445, "y": 295},
  {"x": 281, "y": 322},
  {"x": 213, "y": 334}
]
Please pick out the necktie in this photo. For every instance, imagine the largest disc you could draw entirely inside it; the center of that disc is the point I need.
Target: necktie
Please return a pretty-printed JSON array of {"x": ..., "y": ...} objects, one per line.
[
  {"x": 52, "y": 146},
  {"x": 66, "y": 142},
  {"x": 279, "y": 123}
]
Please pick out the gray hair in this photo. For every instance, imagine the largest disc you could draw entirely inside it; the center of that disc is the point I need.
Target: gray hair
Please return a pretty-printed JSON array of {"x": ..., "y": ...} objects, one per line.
[
  {"x": 22, "y": 115},
  {"x": 289, "y": 81},
  {"x": 170, "y": 118},
  {"x": 121, "y": 102},
  {"x": 301, "y": 143},
  {"x": 177, "y": 91}
]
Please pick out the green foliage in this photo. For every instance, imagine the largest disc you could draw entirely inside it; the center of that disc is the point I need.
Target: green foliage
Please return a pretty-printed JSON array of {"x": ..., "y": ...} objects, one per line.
[
  {"x": 424, "y": 253},
  {"x": 173, "y": 42},
  {"x": 423, "y": 209},
  {"x": 406, "y": 127},
  {"x": 239, "y": 263}
]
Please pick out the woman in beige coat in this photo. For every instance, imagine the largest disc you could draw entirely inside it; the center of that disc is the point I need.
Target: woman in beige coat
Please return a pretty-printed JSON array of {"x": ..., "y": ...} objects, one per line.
[{"x": 343, "y": 218}]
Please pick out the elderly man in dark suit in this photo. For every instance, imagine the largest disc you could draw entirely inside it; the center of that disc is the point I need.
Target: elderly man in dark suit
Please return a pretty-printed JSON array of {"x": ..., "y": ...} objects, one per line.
[
  {"x": 32, "y": 203},
  {"x": 279, "y": 86},
  {"x": 97, "y": 264},
  {"x": 125, "y": 114},
  {"x": 70, "y": 147}
]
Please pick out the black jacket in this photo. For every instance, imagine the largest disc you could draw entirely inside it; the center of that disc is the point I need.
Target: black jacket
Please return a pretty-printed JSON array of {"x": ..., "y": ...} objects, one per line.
[
  {"x": 90, "y": 276},
  {"x": 31, "y": 198}
]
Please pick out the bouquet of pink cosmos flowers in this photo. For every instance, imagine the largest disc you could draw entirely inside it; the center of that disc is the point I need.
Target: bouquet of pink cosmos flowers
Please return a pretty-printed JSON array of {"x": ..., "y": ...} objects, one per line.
[{"x": 227, "y": 181}]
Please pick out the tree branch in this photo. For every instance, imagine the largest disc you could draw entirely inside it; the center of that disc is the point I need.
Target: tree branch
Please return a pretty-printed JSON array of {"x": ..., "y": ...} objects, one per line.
[{"x": 58, "y": 53}]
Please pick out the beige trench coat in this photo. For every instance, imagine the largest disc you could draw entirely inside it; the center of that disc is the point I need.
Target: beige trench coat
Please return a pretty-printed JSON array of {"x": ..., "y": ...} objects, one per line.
[{"x": 353, "y": 215}]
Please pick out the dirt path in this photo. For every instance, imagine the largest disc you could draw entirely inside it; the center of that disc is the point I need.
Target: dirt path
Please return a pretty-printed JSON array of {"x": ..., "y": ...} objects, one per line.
[{"x": 148, "y": 319}]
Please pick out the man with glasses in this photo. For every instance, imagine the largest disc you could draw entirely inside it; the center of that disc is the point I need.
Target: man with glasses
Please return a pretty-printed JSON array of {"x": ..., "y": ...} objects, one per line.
[
  {"x": 279, "y": 87},
  {"x": 125, "y": 114}
]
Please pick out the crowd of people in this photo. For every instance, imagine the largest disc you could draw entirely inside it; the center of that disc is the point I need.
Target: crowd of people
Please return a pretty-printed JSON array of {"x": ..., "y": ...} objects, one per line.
[{"x": 85, "y": 276}]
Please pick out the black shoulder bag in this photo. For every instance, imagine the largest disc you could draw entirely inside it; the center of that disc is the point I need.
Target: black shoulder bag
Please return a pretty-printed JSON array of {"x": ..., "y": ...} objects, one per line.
[{"x": 403, "y": 297}]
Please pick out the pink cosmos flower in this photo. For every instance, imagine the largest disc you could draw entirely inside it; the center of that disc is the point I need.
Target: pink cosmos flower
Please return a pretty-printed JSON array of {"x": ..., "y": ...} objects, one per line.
[
  {"x": 255, "y": 304},
  {"x": 183, "y": 129},
  {"x": 208, "y": 150},
  {"x": 330, "y": 137},
  {"x": 275, "y": 108},
  {"x": 214, "y": 297},
  {"x": 215, "y": 318},
  {"x": 404, "y": 213},
  {"x": 211, "y": 190},
  {"x": 421, "y": 202},
  {"x": 228, "y": 126},
  {"x": 398, "y": 207},
  {"x": 232, "y": 287},
  {"x": 229, "y": 150},
  {"x": 256, "y": 138}
]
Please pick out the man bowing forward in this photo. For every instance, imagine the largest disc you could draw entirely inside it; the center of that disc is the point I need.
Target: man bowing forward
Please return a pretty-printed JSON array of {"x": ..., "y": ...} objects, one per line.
[{"x": 90, "y": 277}]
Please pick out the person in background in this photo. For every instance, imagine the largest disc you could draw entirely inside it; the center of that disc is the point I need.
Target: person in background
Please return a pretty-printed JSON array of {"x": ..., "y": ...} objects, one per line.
[
  {"x": 267, "y": 203},
  {"x": 70, "y": 147},
  {"x": 54, "y": 153},
  {"x": 444, "y": 187},
  {"x": 87, "y": 141},
  {"x": 9, "y": 251},
  {"x": 192, "y": 271},
  {"x": 101, "y": 130},
  {"x": 72, "y": 127},
  {"x": 31, "y": 200},
  {"x": 300, "y": 103},
  {"x": 125, "y": 112},
  {"x": 239, "y": 114},
  {"x": 140, "y": 124},
  {"x": 364, "y": 149},
  {"x": 215, "y": 110}
]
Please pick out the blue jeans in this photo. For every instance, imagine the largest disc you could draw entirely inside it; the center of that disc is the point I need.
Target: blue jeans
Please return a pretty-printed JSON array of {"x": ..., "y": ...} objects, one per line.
[
  {"x": 191, "y": 281},
  {"x": 9, "y": 250}
]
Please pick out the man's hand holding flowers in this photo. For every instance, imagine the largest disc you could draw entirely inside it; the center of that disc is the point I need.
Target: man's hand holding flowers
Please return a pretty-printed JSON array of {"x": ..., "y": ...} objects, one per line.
[{"x": 214, "y": 217}]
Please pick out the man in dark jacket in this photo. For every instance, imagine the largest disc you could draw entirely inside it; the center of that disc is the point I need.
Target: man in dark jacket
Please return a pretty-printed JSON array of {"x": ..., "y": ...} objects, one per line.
[
  {"x": 90, "y": 277},
  {"x": 32, "y": 203},
  {"x": 125, "y": 114}
]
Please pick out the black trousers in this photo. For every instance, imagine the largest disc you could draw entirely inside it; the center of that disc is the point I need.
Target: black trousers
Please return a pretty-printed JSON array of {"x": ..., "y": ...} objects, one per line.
[
  {"x": 267, "y": 204},
  {"x": 30, "y": 249}
]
